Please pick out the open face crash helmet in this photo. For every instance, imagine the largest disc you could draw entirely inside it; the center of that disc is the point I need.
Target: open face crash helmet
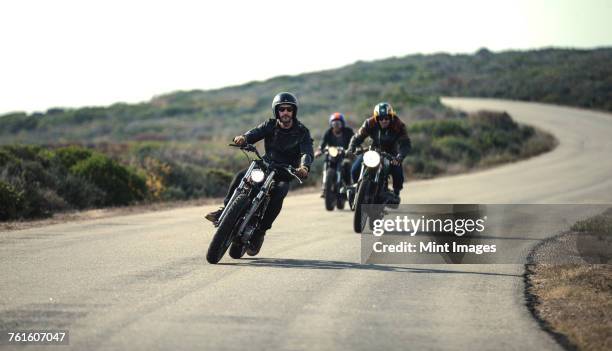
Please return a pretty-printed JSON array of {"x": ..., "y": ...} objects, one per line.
[
  {"x": 382, "y": 110},
  {"x": 336, "y": 116},
  {"x": 284, "y": 98}
]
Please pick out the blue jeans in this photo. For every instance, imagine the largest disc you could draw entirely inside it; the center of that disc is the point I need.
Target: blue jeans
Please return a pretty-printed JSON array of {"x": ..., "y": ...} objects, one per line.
[{"x": 397, "y": 173}]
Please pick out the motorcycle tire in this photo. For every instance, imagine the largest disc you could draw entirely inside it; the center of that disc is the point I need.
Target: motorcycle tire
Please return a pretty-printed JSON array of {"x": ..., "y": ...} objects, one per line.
[
  {"x": 361, "y": 217},
  {"x": 340, "y": 201},
  {"x": 330, "y": 194},
  {"x": 236, "y": 251},
  {"x": 223, "y": 236}
]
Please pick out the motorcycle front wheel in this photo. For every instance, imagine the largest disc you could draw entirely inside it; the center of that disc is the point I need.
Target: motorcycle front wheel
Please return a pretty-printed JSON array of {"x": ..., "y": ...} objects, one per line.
[
  {"x": 223, "y": 236},
  {"x": 361, "y": 217},
  {"x": 330, "y": 194}
]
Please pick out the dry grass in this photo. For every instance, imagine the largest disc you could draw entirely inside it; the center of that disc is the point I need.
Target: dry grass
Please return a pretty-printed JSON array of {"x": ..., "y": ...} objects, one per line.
[{"x": 575, "y": 300}]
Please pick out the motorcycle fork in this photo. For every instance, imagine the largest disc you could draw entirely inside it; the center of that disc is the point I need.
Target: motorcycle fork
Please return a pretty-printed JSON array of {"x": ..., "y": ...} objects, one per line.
[
  {"x": 324, "y": 174},
  {"x": 238, "y": 190},
  {"x": 257, "y": 201},
  {"x": 376, "y": 183}
]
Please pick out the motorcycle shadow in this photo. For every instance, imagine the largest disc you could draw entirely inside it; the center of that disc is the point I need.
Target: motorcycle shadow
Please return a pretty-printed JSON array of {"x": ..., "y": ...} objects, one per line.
[{"x": 324, "y": 264}]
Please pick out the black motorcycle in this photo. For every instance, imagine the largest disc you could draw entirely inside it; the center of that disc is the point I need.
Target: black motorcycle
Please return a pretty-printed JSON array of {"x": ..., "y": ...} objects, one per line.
[
  {"x": 246, "y": 207},
  {"x": 372, "y": 189},
  {"x": 334, "y": 187}
]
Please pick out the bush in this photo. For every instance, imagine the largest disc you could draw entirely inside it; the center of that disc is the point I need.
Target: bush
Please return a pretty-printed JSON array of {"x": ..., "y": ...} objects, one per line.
[
  {"x": 40, "y": 202},
  {"x": 217, "y": 182},
  {"x": 11, "y": 201},
  {"x": 80, "y": 193},
  {"x": 71, "y": 155},
  {"x": 121, "y": 185},
  {"x": 441, "y": 128},
  {"x": 7, "y": 158},
  {"x": 457, "y": 148},
  {"x": 492, "y": 120}
]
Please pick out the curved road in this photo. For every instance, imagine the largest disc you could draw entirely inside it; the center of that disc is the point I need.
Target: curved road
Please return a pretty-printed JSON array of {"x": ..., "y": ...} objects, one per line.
[{"x": 141, "y": 282}]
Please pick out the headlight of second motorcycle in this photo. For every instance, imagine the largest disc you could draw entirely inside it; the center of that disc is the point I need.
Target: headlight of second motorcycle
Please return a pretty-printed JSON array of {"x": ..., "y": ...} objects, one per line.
[
  {"x": 371, "y": 159},
  {"x": 257, "y": 175},
  {"x": 333, "y": 151}
]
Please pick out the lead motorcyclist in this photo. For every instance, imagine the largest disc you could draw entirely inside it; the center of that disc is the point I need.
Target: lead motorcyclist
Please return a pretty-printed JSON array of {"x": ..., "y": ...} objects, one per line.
[
  {"x": 340, "y": 135},
  {"x": 389, "y": 134},
  {"x": 286, "y": 141}
]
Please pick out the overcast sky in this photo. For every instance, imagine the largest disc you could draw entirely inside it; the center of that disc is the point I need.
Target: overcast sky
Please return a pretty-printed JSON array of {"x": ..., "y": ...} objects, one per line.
[{"x": 77, "y": 53}]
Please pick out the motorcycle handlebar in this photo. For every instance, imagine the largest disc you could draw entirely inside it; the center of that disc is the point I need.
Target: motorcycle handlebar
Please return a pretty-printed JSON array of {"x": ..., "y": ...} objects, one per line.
[
  {"x": 382, "y": 153},
  {"x": 247, "y": 147},
  {"x": 287, "y": 168}
]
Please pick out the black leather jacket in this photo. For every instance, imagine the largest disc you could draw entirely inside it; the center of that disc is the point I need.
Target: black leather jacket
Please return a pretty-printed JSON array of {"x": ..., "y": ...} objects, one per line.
[
  {"x": 291, "y": 146},
  {"x": 393, "y": 140},
  {"x": 329, "y": 139}
]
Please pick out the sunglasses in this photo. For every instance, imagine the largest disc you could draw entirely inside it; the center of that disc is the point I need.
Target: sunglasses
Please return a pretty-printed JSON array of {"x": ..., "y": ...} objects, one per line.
[
  {"x": 285, "y": 108},
  {"x": 385, "y": 118}
]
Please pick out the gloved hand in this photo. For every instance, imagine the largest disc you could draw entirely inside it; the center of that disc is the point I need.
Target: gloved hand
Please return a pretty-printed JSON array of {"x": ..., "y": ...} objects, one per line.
[
  {"x": 350, "y": 153},
  {"x": 302, "y": 172},
  {"x": 396, "y": 161},
  {"x": 240, "y": 140}
]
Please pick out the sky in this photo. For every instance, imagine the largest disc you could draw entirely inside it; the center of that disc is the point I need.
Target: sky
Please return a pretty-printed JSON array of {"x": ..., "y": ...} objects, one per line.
[{"x": 65, "y": 53}]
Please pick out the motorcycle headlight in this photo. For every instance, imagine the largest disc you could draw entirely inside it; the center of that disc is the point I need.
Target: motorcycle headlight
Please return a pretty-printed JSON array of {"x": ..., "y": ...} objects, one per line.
[
  {"x": 333, "y": 151},
  {"x": 371, "y": 159},
  {"x": 257, "y": 175}
]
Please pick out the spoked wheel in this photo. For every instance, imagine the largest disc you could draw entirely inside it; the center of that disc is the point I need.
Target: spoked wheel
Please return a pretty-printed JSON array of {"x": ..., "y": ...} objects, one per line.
[
  {"x": 223, "y": 236},
  {"x": 330, "y": 194},
  {"x": 361, "y": 217},
  {"x": 376, "y": 212}
]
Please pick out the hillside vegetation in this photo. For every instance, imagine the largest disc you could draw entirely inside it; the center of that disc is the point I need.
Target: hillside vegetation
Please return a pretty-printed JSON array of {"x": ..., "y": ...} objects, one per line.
[
  {"x": 411, "y": 83},
  {"x": 174, "y": 146},
  {"x": 37, "y": 181}
]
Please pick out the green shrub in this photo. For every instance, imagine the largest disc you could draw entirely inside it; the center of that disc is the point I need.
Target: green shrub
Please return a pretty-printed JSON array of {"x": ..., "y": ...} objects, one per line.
[
  {"x": 492, "y": 120},
  {"x": 217, "y": 182},
  {"x": 40, "y": 202},
  {"x": 457, "y": 149},
  {"x": 7, "y": 158},
  {"x": 80, "y": 193},
  {"x": 24, "y": 152},
  {"x": 440, "y": 128},
  {"x": 121, "y": 185},
  {"x": 71, "y": 155},
  {"x": 11, "y": 202}
]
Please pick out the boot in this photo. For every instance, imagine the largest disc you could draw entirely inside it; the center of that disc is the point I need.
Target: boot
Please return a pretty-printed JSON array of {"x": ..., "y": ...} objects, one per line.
[{"x": 214, "y": 215}]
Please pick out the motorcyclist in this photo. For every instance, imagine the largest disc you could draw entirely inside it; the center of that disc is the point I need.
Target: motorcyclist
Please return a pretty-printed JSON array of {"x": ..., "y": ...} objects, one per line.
[
  {"x": 287, "y": 141},
  {"x": 339, "y": 135},
  {"x": 388, "y": 133}
]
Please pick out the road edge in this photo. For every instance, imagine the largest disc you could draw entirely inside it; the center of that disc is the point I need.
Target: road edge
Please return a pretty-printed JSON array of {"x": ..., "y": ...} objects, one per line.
[{"x": 532, "y": 300}]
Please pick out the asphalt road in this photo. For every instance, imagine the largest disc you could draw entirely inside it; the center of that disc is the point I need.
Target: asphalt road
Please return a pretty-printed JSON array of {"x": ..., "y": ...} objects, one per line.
[{"x": 141, "y": 282}]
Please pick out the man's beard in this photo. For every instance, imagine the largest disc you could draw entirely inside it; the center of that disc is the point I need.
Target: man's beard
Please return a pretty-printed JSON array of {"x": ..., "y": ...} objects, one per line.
[{"x": 286, "y": 122}]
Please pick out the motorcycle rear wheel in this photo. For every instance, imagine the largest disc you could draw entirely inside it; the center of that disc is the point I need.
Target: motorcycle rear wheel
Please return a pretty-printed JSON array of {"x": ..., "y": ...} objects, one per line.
[
  {"x": 236, "y": 251},
  {"x": 341, "y": 201}
]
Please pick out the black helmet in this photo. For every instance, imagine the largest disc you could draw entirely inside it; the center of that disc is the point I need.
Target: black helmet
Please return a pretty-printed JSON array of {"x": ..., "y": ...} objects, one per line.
[{"x": 284, "y": 98}]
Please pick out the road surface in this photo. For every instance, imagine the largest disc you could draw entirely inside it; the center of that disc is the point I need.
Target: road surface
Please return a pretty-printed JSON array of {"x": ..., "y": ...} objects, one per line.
[{"x": 141, "y": 282}]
